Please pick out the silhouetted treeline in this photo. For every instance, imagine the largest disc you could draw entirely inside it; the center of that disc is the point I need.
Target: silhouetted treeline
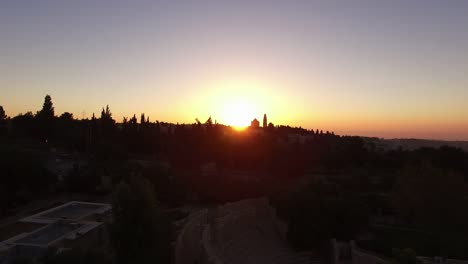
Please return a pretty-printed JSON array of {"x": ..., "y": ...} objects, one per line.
[
  {"x": 347, "y": 180},
  {"x": 188, "y": 145},
  {"x": 281, "y": 151}
]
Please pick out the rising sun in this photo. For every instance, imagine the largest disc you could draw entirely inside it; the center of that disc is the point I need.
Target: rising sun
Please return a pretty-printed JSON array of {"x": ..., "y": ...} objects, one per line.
[{"x": 238, "y": 113}]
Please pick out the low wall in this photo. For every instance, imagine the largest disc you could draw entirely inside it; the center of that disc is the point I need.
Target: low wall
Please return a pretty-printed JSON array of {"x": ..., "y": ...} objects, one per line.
[
  {"x": 360, "y": 256},
  {"x": 439, "y": 260}
]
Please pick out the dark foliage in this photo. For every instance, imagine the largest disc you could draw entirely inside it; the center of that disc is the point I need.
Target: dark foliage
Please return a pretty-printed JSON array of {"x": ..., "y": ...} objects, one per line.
[
  {"x": 173, "y": 164},
  {"x": 139, "y": 231}
]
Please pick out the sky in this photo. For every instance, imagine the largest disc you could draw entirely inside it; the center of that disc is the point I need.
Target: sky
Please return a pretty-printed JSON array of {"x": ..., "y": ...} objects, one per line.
[{"x": 374, "y": 68}]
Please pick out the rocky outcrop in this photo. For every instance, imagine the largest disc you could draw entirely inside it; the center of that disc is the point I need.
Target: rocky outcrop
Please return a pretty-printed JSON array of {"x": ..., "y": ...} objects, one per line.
[{"x": 247, "y": 231}]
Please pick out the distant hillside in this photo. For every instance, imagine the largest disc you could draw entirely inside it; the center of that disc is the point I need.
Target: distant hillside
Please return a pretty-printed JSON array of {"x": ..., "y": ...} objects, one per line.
[{"x": 412, "y": 143}]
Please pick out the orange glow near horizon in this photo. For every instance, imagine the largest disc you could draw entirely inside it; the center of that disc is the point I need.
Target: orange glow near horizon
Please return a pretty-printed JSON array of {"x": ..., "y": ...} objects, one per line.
[
  {"x": 375, "y": 69},
  {"x": 236, "y": 102},
  {"x": 236, "y": 99}
]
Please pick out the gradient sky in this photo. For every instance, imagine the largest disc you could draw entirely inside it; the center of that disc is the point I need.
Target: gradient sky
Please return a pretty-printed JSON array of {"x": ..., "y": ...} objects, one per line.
[{"x": 378, "y": 68}]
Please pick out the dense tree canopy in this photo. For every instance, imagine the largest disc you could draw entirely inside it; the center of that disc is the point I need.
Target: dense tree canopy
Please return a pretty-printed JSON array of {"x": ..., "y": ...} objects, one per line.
[
  {"x": 47, "y": 110},
  {"x": 3, "y": 115},
  {"x": 348, "y": 179},
  {"x": 138, "y": 231}
]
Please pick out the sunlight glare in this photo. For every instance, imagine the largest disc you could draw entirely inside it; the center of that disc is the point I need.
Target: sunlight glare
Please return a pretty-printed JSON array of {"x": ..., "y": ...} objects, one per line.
[{"x": 238, "y": 113}]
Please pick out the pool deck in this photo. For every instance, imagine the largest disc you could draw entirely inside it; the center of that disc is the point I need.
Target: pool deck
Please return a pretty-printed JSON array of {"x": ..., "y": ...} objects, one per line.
[
  {"x": 52, "y": 233},
  {"x": 65, "y": 222},
  {"x": 73, "y": 210}
]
